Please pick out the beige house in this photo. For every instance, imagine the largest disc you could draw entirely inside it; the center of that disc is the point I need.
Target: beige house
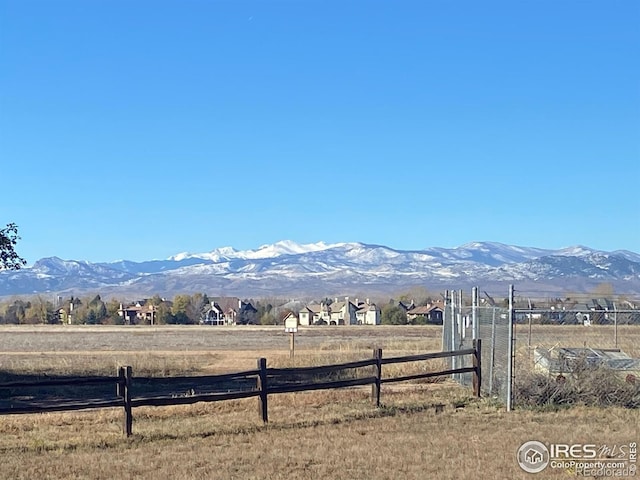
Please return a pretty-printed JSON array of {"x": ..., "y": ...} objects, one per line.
[
  {"x": 368, "y": 313},
  {"x": 336, "y": 313},
  {"x": 139, "y": 312},
  {"x": 345, "y": 312}
]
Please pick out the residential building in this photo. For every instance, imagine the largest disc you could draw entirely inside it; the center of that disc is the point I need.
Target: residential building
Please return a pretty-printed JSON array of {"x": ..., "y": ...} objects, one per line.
[
  {"x": 230, "y": 311},
  {"x": 368, "y": 313},
  {"x": 214, "y": 315},
  {"x": 345, "y": 312},
  {"x": 139, "y": 312},
  {"x": 432, "y": 312}
]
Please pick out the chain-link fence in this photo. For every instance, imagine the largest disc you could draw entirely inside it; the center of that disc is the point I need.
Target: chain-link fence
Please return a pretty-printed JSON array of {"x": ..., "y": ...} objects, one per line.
[
  {"x": 540, "y": 351},
  {"x": 462, "y": 324}
]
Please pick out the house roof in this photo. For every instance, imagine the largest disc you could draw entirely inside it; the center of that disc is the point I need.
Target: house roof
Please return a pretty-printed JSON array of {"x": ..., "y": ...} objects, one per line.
[
  {"x": 420, "y": 310},
  {"x": 424, "y": 310},
  {"x": 216, "y": 307},
  {"x": 367, "y": 308},
  {"x": 228, "y": 304},
  {"x": 406, "y": 306},
  {"x": 287, "y": 315},
  {"x": 337, "y": 306},
  {"x": 602, "y": 303}
]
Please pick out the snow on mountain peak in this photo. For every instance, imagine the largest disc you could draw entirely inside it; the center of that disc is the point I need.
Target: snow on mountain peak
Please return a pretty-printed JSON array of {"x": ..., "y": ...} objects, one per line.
[
  {"x": 285, "y": 247},
  {"x": 180, "y": 256},
  {"x": 278, "y": 249},
  {"x": 576, "y": 251}
]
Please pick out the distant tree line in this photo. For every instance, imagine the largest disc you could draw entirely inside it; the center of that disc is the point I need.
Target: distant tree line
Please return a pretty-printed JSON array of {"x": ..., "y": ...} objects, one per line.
[
  {"x": 182, "y": 309},
  {"x": 93, "y": 310}
]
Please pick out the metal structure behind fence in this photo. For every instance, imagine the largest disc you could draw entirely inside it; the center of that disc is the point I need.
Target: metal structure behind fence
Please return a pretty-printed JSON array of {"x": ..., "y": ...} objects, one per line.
[{"x": 525, "y": 335}]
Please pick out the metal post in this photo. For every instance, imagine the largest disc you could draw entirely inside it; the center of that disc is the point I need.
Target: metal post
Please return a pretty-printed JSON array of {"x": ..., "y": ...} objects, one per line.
[
  {"x": 474, "y": 312},
  {"x": 511, "y": 353},
  {"x": 477, "y": 365},
  {"x": 493, "y": 350},
  {"x": 292, "y": 345},
  {"x": 530, "y": 317},
  {"x": 615, "y": 326},
  {"x": 454, "y": 362},
  {"x": 445, "y": 345},
  {"x": 460, "y": 322}
]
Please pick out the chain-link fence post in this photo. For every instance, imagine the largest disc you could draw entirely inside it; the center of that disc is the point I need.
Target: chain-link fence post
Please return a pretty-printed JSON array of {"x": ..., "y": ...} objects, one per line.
[
  {"x": 474, "y": 313},
  {"x": 511, "y": 354}
]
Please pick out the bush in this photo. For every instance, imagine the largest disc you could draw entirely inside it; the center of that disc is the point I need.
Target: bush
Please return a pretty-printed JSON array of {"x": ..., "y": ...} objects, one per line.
[{"x": 588, "y": 385}]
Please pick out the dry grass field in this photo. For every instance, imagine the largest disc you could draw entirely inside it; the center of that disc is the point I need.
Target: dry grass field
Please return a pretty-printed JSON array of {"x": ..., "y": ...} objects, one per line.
[
  {"x": 195, "y": 349},
  {"x": 424, "y": 430},
  {"x": 595, "y": 336}
]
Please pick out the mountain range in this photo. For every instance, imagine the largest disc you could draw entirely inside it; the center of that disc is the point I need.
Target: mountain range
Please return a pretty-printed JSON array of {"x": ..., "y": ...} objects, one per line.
[{"x": 288, "y": 268}]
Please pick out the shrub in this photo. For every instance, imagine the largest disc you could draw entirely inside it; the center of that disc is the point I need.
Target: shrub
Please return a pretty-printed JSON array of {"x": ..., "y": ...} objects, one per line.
[{"x": 589, "y": 385}]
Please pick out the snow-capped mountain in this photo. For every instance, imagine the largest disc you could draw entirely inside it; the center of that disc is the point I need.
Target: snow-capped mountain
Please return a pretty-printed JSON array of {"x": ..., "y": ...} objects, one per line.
[{"x": 287, "y": 268}]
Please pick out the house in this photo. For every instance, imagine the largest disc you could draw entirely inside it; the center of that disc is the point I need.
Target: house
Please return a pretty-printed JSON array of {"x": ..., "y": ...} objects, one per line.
[
  {"x": 290, "y": 317},
  {"x": 139, "y": 312},
  {"x": 334, "y": 313},
  {"x": 406, "y": 306},
  {"x": 315, "y": 314},
  {"x": 213, "y": 315},
  {"x": 432, "y": 312},
  {"x": 306, "y": 315},
  {"x": 234, "y": 311},
  {"x": 368, "y": 313},
  {"x": 65, "y": 314}
]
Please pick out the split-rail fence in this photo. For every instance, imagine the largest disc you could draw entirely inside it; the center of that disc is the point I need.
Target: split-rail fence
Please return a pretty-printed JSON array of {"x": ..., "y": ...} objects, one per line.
[{"x": 261, "y": 383}]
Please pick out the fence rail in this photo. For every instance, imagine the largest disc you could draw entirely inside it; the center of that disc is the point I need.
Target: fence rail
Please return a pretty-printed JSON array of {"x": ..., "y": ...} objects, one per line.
[
  {"x": 268, "y": 381},
  {"x": 57, "y": 382}
]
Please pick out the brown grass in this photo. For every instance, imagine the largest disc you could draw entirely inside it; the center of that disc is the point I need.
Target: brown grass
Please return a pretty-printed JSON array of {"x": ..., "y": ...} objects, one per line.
[
  {"x": 171, "y": 350},
  {"x": 595, "y": 336},
  {"x": 328, "y": 434}
]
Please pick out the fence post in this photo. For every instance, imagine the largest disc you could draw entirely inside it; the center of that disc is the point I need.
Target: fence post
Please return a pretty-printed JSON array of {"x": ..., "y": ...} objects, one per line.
[
  {"x": 375, "y": 388},
  {"x": 124, "y": 390},
  {"x": 474, "y": 313},
  {"x": 454, "y": 344},
  {"x": 262, "y": 387},
  {"x": 511, "y": 351},
  {"x": 120, "y": 382},
  {"x": 477, "y": 365},
  {"x": 492, "y": 360}
]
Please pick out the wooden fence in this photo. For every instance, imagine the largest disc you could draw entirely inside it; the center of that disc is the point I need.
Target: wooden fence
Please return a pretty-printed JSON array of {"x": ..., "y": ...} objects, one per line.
[{"x": 264, "y": 382}]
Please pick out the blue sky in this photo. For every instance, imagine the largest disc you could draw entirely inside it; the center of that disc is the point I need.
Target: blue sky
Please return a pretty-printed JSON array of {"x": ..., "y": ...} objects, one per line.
[{"x": 140, "y": 129}]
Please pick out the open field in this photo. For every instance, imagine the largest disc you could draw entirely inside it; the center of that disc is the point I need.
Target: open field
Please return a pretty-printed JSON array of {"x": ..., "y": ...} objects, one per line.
[
  {"x": 423, "y": 430},
  {"x": 595, "y": 336},
  {"x": 194, "y": 349},
  {"x": 169, "y": 349}
]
